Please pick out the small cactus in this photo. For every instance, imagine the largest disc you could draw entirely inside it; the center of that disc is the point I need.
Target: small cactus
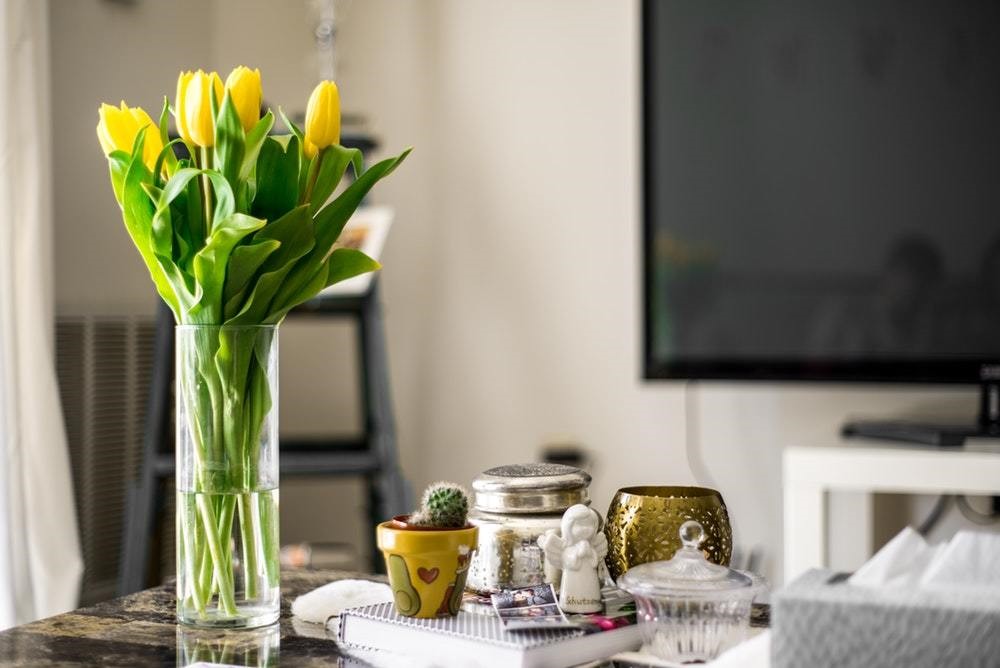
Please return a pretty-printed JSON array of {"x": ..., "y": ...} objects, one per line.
[{"x": 444, "y": 505}]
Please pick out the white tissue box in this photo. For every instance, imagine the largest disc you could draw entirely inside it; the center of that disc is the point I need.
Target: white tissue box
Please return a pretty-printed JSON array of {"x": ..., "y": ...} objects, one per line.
[{"x": 821, "y": 620}]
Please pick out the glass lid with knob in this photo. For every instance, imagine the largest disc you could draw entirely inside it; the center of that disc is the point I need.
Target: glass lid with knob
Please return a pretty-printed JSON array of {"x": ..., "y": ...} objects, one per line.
[{"x": 688, "y": 574}]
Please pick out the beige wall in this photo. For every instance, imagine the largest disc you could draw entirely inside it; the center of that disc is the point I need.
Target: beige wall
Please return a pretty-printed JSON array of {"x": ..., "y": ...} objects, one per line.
[
  {"x": 512, "y": 274},
  {"x": 105, "y": 52}
]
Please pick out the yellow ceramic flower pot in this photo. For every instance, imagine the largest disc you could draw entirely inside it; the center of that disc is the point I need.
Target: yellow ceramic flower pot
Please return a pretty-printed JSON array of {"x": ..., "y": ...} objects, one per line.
[{"x": 427, "y": 567}]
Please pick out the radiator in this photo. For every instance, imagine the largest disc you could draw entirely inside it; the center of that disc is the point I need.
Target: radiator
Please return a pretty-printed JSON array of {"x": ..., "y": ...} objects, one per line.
[{"x": 103, "y": 366}]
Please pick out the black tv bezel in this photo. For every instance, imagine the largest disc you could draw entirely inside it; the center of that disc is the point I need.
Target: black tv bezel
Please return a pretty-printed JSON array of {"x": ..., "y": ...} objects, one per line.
[{"x": 924, "y": 371}]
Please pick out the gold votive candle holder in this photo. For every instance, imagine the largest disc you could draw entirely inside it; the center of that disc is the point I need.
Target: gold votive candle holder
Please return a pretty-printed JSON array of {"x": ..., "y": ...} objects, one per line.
[{"x": 643, "y": 523}]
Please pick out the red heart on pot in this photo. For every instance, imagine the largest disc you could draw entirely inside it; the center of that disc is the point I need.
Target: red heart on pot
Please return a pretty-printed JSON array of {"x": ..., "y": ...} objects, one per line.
[{"x": 428, "y": 575}]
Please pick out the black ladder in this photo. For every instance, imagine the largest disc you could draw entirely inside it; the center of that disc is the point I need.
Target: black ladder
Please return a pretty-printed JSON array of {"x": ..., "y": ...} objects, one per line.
[{"x": 372, "y": 455}]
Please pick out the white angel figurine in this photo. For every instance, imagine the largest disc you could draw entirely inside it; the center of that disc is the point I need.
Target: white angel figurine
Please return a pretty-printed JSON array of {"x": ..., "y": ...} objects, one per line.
[{"x": 578, "y": 551}]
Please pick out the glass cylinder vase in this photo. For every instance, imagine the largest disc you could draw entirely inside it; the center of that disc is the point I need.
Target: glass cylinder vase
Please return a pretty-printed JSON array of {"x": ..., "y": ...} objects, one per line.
[{"x": 227, "y": 475}]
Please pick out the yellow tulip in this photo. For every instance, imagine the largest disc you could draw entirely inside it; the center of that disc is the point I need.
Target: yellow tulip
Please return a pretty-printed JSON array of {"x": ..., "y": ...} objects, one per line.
[
  {"x": 118, "y": 127},
  {"x": 193, "y": 106},
  {"x": 310, "y": 149},
  {"x": 244, "y": 88},
  {"x": 323, "y": 116}
]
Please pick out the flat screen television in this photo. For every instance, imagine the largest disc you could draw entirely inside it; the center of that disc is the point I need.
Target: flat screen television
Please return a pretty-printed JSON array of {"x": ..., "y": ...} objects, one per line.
[{"x": 821, "y": 190}]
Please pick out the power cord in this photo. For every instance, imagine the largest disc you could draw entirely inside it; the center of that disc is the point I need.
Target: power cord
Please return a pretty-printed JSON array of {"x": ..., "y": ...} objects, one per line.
[
  {"x": 692, "y": 436},
  {"x": 743, "y": 559},
  {"x": 933, "y": 517}
]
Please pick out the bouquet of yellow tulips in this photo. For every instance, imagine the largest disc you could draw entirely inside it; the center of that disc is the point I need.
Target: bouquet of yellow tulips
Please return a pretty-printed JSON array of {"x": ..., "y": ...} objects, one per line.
[
  {"x": 246, "y": 204},
  {"x": 236, "y": 229}
]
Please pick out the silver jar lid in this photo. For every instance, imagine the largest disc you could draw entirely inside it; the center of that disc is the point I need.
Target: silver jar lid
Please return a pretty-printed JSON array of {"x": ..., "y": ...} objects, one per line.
[{"x": 530, "y": 488}]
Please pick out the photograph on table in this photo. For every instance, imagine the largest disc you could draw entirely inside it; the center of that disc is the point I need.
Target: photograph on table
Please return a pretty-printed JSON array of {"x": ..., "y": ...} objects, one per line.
[{"x": 529, "y": 607}]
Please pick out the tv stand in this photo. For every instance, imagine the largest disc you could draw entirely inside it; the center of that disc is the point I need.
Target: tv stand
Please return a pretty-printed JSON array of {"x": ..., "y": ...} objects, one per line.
[
  {"x": 987, "y": 426},
  {"x": 810, "y": 472}
]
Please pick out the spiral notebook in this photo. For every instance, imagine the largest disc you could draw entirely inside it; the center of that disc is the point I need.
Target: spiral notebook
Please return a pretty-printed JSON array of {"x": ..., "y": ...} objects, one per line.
[{"x": 478, "y": 640}]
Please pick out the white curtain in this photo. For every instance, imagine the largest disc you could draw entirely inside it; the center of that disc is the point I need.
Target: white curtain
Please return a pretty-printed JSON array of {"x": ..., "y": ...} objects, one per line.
[{"x": 40, "y": 562}]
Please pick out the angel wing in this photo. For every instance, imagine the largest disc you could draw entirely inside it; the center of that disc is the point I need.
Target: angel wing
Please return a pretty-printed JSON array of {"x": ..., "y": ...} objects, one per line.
[
  {"x": 599, "y": 543},
  {"x": 552, "y": 545}
]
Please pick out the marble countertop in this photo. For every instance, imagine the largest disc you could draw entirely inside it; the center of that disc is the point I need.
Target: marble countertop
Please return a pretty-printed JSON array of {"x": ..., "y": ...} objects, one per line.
[{"x": 141, "y": 630}]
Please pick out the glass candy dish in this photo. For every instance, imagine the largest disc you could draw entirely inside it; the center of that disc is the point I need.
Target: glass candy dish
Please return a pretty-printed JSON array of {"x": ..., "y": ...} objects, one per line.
[{"x": 691, "y": 610}]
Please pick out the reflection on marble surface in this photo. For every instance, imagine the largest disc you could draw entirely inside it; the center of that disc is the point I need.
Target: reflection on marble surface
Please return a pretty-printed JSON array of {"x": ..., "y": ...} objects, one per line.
[
  {"x": 141, "y": 630},
  {"x": 252, "y": 648}
]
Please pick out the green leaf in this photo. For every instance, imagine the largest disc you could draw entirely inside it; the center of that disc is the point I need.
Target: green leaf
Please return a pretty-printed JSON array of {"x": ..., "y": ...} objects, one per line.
[
  {"x": 345, "y": 263},
  {"x": 213, "y": 100},
  {"x": 230, "y": 142},
  {"x": 342, "y": 264},
  {"x": 137, "y": 212},
  {"x": 210, "y": 264},
  {"x": 292, "y": 127},
  {"x": 164, "y": 124},
  {"x": 243, "y": 264},
  {"x": 169, "y": 244},
  {"x": 329, "y": 223},
  {"x": 277, "y": 179},
  {"x": 166, "y": 155},
  {"x": 255, "y": 139},
  {"x": 170, "y": 157},
  {"x": 331, "y": 219},
  {"x": 139, "y": 142},
  {"x": 358, "y": 161},
  {"x": 178, "y": 182},
  {"x": 225, "y": 202},
  {"x": 192, "y": 225},
  {"x": 258, "y": 394},
  {"x": 245, "y": 194},
  {"x": 305, "y": 161},
  {"x": 329, "y": 166},
  {"x": 162, "y": 241},
  {"x": 304, "y": 293},
  {"x": 162, "y": 230},
  {"x": 118, "y": 162},
  {"x": 294, "y": 231},
  {"x": 185, "y": 189},
  {"x": 193, "y": 219},
  {"x": 305, "y": 169}
]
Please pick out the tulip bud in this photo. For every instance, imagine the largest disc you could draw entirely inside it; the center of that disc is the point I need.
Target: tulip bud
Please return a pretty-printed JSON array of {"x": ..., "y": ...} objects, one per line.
[
  {"x": 323, "y": 116},
  {"x": 310, "y": 149},
  {"x": 244, "y": 88},
  {"x": 193, "y": 106},
  {"x": 118, "y": 127}
]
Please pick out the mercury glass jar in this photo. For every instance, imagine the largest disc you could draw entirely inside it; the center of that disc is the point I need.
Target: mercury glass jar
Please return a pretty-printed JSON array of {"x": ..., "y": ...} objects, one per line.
[{"x": 513, "y": 506}]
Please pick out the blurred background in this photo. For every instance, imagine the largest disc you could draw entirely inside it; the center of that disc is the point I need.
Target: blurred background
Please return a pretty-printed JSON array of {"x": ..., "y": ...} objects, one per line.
[{"x": 512, "y": 276}]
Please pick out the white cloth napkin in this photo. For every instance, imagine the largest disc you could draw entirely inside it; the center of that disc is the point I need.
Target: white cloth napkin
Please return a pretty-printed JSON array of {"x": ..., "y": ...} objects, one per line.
[
  {"x": 328, "y": 601},
  {"x": 323, "y": 605}
]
